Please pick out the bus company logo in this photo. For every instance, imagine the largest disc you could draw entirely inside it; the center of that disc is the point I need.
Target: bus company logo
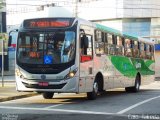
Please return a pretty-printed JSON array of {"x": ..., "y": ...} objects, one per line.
[
  {"x": 43, "y": 70},
  {"x": 138, "y": 65},
  {"x": 43, "y": 77}
]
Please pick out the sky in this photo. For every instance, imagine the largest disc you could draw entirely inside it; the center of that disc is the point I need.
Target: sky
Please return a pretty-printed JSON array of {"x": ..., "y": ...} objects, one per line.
[
  {"x": 13, "y": 3},
  {"x": 35, "y": 2},
  {"x": 17, "y": 5},
  {"x": 24, "y": 6}
]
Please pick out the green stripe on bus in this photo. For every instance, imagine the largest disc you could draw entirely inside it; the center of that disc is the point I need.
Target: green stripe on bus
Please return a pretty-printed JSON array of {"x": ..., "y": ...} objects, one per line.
[{"x": 129, "y": 66}]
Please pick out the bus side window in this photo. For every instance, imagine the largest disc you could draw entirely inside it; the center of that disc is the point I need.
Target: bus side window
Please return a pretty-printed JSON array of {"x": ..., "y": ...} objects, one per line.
[
  {"x": 128, "y": 47},
  {"x": 99, "y": 42},
  {"x": 103, "y": 37},
  {"x": 111, "y": 44},
  {"x": 119, "y": 47},
  {"x": 136, "y": 49},
  {"x": 142, "y": 52},
  {"x": 115, "y": 44},
  {"x": 145, "y": 49},
  {"x": 123, "y": 44},
  {"x": 152, "y": 52},
  {"x": 148, "y": 53},
  {"x": 132, "y": 47},
  {"x": 106, "y": 43}
]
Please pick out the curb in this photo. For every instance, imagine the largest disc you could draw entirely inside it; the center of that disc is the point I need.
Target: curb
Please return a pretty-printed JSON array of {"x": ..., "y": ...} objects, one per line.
[{"x": 17, "y": 97}]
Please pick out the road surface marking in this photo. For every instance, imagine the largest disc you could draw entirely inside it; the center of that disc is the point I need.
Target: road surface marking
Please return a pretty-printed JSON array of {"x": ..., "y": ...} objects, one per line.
[
  {"x": 49, "y": 107},
  {"x": 56, "y": 110},
  {"x": 136, "y": 105}
]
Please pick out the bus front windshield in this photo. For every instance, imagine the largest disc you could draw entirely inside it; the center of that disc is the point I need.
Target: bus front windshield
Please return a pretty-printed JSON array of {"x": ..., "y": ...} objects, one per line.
[{"x": 46, "y": 47}]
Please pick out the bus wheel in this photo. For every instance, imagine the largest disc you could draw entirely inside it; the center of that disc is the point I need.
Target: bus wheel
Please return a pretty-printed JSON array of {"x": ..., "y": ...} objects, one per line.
[
  {"x": 93, "y": 95},
  {"x": 136, "y": 87},
  {"x": 48, "y": 95}
]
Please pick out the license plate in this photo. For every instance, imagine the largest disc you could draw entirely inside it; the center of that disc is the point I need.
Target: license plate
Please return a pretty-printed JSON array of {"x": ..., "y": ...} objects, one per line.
[{"x": 43, "y": 84}]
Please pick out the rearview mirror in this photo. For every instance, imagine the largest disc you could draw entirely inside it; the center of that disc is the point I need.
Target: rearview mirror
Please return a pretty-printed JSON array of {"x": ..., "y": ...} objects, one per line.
[
  {"x": 84, "y": 41},
  {"x": 10, "y": 41}
]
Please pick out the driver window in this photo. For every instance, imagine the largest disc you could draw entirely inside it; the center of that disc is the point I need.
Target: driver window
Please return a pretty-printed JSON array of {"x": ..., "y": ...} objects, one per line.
[{"x": 68, "y": 48}]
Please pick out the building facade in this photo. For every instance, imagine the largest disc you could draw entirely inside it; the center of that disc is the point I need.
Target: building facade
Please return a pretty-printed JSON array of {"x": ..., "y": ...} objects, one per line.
[{"x": 137, "y": 17}]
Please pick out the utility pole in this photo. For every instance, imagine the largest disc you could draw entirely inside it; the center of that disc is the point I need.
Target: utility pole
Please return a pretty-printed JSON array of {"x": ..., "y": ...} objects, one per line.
[
  {"x": 2, "y": 69},
  {"x": 76, "y": 8}
]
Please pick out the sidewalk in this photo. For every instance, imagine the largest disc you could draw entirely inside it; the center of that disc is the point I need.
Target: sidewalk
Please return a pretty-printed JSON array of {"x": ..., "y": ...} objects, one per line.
[{"x": 8, "y": 91}]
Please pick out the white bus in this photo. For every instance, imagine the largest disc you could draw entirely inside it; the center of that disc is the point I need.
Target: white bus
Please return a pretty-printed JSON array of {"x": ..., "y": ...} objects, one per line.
[{"x": 72, "y": 55}]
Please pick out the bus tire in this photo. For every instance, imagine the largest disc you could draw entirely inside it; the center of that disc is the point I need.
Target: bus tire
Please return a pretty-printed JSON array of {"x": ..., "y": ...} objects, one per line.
[
  {"x": 136, "y": 87},
  {"x": 47, "y": 95},
  {"x": 93, "y": 95}
]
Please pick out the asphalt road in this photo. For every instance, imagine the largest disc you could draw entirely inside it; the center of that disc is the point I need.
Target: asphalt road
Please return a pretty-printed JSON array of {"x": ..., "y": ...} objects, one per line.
[{"x": 112, "y": 105}]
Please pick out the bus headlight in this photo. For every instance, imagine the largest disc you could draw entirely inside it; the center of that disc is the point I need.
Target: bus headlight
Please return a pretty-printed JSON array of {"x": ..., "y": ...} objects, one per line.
[
  {"x": 17, "y": 72},
  {"x": 71, "y": 74}
]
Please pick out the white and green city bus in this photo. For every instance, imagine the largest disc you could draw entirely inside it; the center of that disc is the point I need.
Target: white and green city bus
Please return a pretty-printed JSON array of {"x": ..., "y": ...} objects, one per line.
[{"x": 72, "y": 55}]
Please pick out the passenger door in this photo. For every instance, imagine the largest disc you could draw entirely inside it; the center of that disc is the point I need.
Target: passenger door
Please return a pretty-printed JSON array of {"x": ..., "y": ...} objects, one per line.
[{"x": 86, "y": 59}]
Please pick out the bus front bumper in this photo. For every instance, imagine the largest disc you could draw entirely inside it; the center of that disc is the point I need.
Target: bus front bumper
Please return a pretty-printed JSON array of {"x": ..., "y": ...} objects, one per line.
[{"x": 66, "y": 86}]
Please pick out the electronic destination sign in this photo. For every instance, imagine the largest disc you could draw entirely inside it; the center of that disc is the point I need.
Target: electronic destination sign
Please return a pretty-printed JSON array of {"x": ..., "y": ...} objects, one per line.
[{"x": 48, "y": 22}]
